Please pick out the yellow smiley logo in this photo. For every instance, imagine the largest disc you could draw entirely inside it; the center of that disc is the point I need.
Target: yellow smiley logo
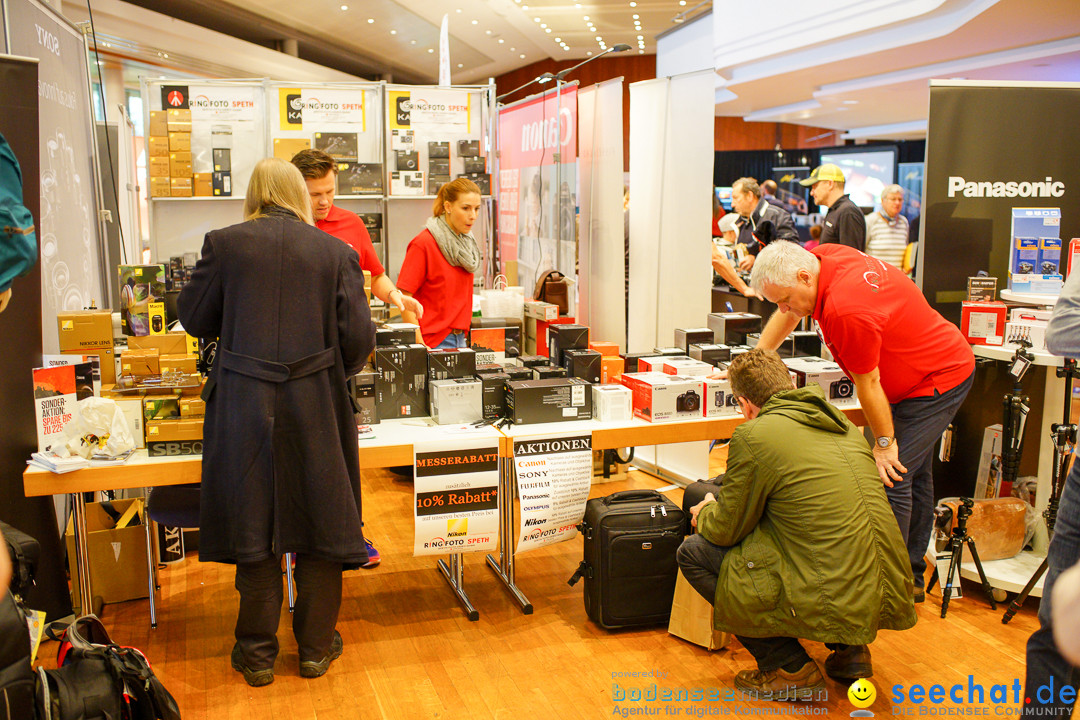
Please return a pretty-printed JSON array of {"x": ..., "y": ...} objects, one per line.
[{"x": 862, "y": 693}]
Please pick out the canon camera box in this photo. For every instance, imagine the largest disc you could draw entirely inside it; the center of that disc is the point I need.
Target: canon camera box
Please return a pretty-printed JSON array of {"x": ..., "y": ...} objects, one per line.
[{"x": 663, "y": 398}]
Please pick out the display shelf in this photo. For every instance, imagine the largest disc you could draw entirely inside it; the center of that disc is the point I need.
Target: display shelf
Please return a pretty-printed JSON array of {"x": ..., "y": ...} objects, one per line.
[
  {"x": 1006, "y": 352},
  {"x": 424, "y": 197},
  {"x": 199, "y": 198},
  {"x": 1031, "y": 298}
]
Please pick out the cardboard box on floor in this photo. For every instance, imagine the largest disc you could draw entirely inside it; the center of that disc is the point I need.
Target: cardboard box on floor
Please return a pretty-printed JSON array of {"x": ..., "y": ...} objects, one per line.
[
  {"x": 117, "y": 552},
  {"x": 691, "y": 618}
]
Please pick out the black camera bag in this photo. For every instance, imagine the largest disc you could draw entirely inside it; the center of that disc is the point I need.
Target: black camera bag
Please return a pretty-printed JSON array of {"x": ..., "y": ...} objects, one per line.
[
  {"x": 82, "y": 690},
  {"x": 630, "y": 568},
  {"x": 16, "y": 676},
  {"x": 695, "y": 492},
  {"x": 25, "y": 553}
]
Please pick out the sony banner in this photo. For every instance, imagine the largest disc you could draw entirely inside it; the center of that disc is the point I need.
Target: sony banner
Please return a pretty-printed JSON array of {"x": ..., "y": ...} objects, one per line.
[
  {"x": 537, "y": 186},
  {"x": 992, "y": 147},
  {"x": 554, "y": 476}
]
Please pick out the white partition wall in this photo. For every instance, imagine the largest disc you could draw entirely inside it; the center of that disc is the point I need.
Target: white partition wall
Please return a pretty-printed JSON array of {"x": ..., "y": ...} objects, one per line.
[
  {"x": 671, "y": 160},
  {"x": 601, "y": 250}
]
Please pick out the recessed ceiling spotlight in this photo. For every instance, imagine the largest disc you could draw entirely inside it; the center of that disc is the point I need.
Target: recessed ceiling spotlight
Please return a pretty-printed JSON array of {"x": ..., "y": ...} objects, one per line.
[
  {"x": 412, "y": 42},
  {"x": 543, "y": 25},
  {"x": 547, "y": 30},
  {"x": 566, "y": 47},
  {"x": 851, "y": 102},
  {"x": 344, "y": 7},
  {"x": 431, "y": 50},
  {"x": 641, "y": 52},
  {"x": 370, "y": 20},
  {"x": 633, "y": 4},
  {"x": 536, "y": 19},
  {"x": 682, "y": 2},
  {"x": 393, "y": 32},
  {"x": 513, "y": 49},
  {"x": 487, "y": 32},
  {"x": 501, "y": 41},
  {"x": 589, "y": 52},
  {"x": 558, "y": 40},
  {"x": 522, "y": 56},
  {"x": 577, "y": 5},
  {"x": 636, "y": 17},
  {"x": 640, "y": 37},
  {"x": 524, "y": 7},
  {"x": 459, "y": 9},
  {"x": 460, "y": 65},
  {"x": 477, "y": 22},
  {"x": 166, "y": 56}
]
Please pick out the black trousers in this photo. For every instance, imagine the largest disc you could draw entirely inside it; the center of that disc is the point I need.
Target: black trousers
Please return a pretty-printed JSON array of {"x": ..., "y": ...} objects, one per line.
[
  {"x": 700, "y": 563},
  {"x": 318, "y": 600}
]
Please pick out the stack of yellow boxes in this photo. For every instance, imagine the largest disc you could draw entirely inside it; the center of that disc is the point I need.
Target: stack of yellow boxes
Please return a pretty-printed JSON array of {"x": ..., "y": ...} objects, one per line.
[{"x": 169, "y": 150}]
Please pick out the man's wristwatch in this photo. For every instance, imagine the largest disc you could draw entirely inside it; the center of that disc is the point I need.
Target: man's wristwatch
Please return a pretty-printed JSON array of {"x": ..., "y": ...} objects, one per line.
[{"x": 885, "y": 441}]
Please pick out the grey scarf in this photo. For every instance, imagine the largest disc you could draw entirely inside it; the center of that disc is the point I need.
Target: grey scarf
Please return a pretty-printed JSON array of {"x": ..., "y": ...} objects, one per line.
[{"x": 458, "y": 249}]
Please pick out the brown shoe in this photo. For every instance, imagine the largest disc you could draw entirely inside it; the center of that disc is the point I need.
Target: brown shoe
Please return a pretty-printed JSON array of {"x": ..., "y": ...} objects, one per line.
[
  {"x": 806, "y": 683},
  {"x": 851, "y": 663}
]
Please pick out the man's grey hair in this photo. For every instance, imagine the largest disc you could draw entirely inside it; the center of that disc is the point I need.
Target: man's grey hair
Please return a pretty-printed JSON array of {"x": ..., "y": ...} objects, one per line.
[
  {"x": 893, "y": 189},
  {"x": 747, "y": 184},
  {"x": 779, "y": 264}
]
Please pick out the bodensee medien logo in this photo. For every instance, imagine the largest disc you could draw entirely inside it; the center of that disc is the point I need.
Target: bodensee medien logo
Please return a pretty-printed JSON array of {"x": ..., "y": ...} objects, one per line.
[{"x": 997, "y": 188}]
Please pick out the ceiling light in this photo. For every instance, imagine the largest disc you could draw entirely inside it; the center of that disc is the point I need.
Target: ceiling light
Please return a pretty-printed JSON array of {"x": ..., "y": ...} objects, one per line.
[
  {"x": 636, "y": 17},
  {"x": 166, "y": 55},
  {"x": 547, "y": 30},
  {"x": 589, "y": 53},
  {"x": 522, "y": 56},
  {"x": 393, "y": 32},
  {"x": 477, "y": 22},
  {"x": 633, "y": 4},
  {"x": 682, "y": 2},
  {"x": 370, "y": 20},
  {"x": 642, "y": 37},
  {"x": 431, "y": 50},
  {"x": 524, "y": 7},
  {"x": 460, "y": 65},
  {"x": 558, "y": 40},
  {"x": 459, "y": 9},
  {"x": 487, "y": 32},
  {"x": 577, "y": 5},
  {"x": 641, "y": 52},
  {"x": 513, "y": 49},
  {"x": 412, "y": 42},
  {"x": 536, "y": 19},
  {"x": 344, "y": 7},
  {"x": 543, "y": 25},
  {"x": 501, "y": 41}
]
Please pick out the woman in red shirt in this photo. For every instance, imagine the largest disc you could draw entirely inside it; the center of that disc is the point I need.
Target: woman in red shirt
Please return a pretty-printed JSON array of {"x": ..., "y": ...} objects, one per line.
[{"x": 439, "y": 266}]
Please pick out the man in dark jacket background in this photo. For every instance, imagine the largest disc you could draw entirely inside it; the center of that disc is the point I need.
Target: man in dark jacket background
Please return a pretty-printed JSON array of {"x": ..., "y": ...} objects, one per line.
[
  {"x": 280, "y": 471},
  {"x": 800, "y": 541},
  {"x": 759, "y": 222}
]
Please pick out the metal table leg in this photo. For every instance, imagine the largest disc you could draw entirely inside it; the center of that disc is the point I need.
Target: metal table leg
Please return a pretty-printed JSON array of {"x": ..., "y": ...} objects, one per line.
[
  {"x": 455, "y": 576},
  {"x": 504, "y": 566},
  {"x": 88, "y": 603}
]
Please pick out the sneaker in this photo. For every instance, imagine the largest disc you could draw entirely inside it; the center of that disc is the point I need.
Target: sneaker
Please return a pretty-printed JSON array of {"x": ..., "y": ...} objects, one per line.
[
  {"x": 318, "y": 668},
  {"x": 254, "y": 678},
  {"x": 804, "y": 684},
  {"x": 373, "y": 557},
  {"x": 851, "y": 663}
]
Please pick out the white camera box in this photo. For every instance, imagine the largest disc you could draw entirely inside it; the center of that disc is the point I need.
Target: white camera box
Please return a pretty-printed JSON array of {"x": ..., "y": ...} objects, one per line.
[
  {"x": 612, "y": 403},
  {"x": 663, "y": 398},
  {"x": 838, "y": 387},
  {"x": 655, "y": 363},
  {"x": 454, "y": 401},
  {"x": 717, "y": 399}
]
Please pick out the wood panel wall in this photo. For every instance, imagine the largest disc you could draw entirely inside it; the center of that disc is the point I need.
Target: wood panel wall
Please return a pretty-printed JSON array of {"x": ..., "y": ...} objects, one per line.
[{"x": 731, "y": 133}]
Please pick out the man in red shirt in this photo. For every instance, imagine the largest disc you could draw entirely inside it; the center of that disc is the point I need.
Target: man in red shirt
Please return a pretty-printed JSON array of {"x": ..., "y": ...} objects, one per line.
[
  {"x": 320, "y": 174},
  {"x": 912, "y": 368}
]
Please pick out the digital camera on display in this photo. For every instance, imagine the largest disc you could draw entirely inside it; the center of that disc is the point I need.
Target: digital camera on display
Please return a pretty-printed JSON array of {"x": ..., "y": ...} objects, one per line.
[
  {"x": 689, "y": 401},
  {"x": 842, "y": 388},
  {"x": 1049, "y": 268},
  {"x": 731, "y": 400}
]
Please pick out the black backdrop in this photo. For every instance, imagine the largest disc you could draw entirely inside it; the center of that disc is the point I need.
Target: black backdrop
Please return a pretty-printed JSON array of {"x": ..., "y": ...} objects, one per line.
[
  {"x": 20, "y": 340},
  {"x": 730, "y": 165}
]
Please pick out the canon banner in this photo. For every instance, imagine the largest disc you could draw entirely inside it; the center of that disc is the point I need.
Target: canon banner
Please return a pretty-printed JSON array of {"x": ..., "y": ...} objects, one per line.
[
  {"x": 538, "y": 186},
  {"x": 554, "y": 475},
  {"x": 992, "y": 148},
  {"x": 456, "y": 495}
]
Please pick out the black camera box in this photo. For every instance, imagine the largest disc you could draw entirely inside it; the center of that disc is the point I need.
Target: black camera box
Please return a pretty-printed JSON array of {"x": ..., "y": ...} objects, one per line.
[
  {"x": 408, "y": 160},
  {"x": 448, "y": 364},
  {"x": 732, "y": 328},
  {"x": 338, "y": 145},
  {"x": 532, "y": 360},
  {"x": 482, "y": 180},
  {"x": 438, "y": 150},
  {"x": 396, "y": 335},
  {"x": 685, "y": 337},
  {"x": 488, "y": 368},
  {"x": 222, "y": 159},
  {"x": 630, "y": 360},
  {"x": 551, "y": 400},
  {"x": 493, "y": 344},
  {"x": 584, "y": 364},
  {"x": 355, "y": 178},
  {"x": 401, "y": 381},
  {"x": 493, "y": 395},
  {"x": 435, "y": 182},
  {"x": 439, "y": 166},
  {"x": 468, "y": 148},
  {"x": 807, "y": 343},
  {"x": 710, "y": 352},
  {"x": 221, "y": 182},
  {"x": 518, "y": 372},
  {"x": 475, "y": 165},
  {"x": 786, "y": 349},
  {"x": 362, "y": 387},
  {"x": 564, "y": 337},
  {"x": 372, "y": 221},
  {"x": 544, "y": 372}
]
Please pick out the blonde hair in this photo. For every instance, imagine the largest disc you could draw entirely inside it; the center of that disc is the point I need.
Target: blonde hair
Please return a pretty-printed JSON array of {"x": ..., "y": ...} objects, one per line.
[
  {"x": 277, "y": 182},
  {"x": 450, "y": 192}
]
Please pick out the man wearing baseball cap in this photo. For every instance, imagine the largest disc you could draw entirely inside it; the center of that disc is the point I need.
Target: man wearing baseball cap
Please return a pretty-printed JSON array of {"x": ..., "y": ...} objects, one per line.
[{"x": 844, "y": 223}]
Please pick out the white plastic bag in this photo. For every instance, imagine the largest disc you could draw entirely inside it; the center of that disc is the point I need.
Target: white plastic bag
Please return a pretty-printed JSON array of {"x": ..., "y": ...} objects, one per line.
[
  {"x": 98, "y": 428},
  {"x": 503, "y": 301}
]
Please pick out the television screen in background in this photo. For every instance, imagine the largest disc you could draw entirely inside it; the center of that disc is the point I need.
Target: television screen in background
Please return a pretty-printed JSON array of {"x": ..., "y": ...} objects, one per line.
[
  {"x": 868, "y": 172},
  {"x": 724, "y": 195}
]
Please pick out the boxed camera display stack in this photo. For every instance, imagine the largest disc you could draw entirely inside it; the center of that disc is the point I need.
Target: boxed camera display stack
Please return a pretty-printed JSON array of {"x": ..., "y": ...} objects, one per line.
[
  {"x": 493, "y": 395},
  {"x": 562, "y": 337},
  {"x": 718, "y": 400},
  {"x": 582, "y": 363},
  {"x": 709, "y": 352},
  {"x": 1035, "y": 251},
  {"x": 456, "y": 400},
  {"x": 456, "y": 363},
  {"x": 663, "y": 398},
  {"x": 612, "y": 403},
  {"x": 837, "y": 386},
  {"x": 550, "y": 400},
  {"x": 401, "y": 381},
  {"x": 732, "y": 328},
  {"x": 684, "y": 337}
]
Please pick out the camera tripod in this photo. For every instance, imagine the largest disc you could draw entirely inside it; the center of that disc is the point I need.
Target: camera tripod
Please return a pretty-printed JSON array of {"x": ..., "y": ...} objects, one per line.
[
  {"x": 957, "y": 539},
  {"x": 1063, "y": 435}
]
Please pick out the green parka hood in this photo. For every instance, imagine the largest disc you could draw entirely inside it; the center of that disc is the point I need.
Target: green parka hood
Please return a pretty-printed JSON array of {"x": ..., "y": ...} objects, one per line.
[{"x": 808, "y": 406}]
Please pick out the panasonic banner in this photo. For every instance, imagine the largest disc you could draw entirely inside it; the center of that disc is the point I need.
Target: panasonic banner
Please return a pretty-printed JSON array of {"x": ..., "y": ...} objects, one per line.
[{"x": 993, "y": 148}]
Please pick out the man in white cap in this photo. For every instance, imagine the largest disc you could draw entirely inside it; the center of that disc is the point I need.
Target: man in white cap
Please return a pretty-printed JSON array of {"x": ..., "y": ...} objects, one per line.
[{"x": 844, "y": 223}]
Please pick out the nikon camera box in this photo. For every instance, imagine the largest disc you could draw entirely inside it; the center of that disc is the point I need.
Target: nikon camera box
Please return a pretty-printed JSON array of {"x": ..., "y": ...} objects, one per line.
[
  {"x": 838, "y": 387},
  {"x": 550, "y": 400},
  {"x": 663, "y": 398},
  {"x": 401, "y": 381},
  {"x": 456, "y": 400},
  {"x": 140, "y": 285},
  {"x": 88, "y": 332}
]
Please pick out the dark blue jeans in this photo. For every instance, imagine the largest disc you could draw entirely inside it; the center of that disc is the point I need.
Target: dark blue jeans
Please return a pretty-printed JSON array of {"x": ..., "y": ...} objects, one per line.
[
  {"x": 1047, "y": 670},
  {"x": 453, "y": 341},
  {"x": 918, "y": 424},
  {"x": 700, "y": 563}
]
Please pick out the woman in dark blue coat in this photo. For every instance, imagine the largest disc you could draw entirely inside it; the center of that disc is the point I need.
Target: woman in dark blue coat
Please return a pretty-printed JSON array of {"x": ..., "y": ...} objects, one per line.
[{"x": 280, "y": 462}]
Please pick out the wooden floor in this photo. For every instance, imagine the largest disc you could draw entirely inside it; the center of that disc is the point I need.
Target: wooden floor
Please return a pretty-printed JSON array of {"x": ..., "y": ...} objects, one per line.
[{"x": 411, "y": 653}]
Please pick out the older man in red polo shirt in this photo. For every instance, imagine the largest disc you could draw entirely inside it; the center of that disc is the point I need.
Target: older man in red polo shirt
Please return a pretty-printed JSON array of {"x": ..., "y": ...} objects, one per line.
[{"x": 911, "y": 367}]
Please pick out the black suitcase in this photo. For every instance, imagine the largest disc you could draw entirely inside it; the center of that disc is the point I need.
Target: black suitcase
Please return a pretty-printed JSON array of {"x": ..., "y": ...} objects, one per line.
[
  {"x": 630, "y": 568},
  {"x": 25, "y": 552},
  {"x": 16, "y": 675},
  {"x": 695, "y": 492}
]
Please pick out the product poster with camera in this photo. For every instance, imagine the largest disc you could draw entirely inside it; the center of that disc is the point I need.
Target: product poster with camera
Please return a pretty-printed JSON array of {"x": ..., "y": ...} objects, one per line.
[
  {"x": 456, "y": 495},
  {"x": 554, "y": 474}
]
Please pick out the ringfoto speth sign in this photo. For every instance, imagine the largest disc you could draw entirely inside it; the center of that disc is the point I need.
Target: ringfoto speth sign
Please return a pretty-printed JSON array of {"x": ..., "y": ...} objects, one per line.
[{"x": 456, "y": 495}]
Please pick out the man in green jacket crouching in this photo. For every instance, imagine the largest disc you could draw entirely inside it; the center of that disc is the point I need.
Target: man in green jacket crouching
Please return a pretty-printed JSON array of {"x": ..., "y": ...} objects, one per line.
[{"x": 800, "y": 541}]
